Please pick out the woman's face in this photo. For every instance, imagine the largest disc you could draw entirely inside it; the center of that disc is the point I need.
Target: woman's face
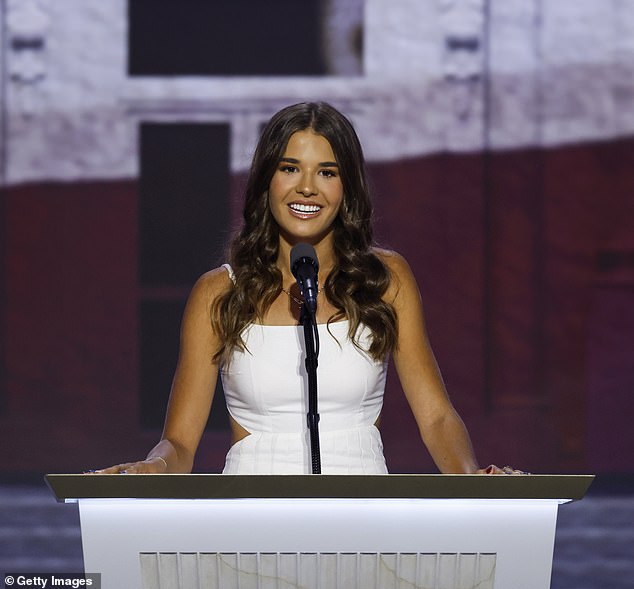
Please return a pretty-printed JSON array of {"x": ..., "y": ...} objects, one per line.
[{"x": 306, "y": 191}]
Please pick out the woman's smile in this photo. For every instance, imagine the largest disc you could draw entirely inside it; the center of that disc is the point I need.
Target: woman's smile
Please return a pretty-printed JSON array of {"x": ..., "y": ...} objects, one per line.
[{"x": 304, "y": 210}]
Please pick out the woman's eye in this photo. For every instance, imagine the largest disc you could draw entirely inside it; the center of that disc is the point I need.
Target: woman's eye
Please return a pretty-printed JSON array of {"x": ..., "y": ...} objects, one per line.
[
  {"x": 328, "y": 173},
  {"x": 288, "y": 169}
]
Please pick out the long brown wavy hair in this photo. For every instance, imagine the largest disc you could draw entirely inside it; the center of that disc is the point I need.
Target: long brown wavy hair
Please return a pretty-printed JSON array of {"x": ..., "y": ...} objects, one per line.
[{"x": 359, "y": 279}]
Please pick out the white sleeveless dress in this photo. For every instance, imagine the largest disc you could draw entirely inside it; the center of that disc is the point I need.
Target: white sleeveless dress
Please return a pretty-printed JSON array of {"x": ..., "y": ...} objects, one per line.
[{"x": 266, "y": 390}]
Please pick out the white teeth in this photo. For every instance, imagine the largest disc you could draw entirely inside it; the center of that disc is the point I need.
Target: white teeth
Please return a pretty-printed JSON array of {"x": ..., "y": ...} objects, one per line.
[{"x": 300, "y": 208}]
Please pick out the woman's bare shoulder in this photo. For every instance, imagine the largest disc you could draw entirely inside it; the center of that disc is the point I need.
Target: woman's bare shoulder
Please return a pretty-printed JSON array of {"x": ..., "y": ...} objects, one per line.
[
  {"x": 395, "y": 262},
  {"x": 401, "y": 275},
  {"x": 212, "y": 284}
]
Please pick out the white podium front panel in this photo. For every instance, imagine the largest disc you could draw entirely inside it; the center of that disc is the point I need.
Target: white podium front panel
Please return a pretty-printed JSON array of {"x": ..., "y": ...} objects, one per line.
[
  {"x": 319, "y": 543},
  {"x": 332, "y": 570}
]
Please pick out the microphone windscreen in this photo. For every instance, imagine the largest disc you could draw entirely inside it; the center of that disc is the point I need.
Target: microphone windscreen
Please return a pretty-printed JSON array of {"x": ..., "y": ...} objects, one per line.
[{"x": 303, "y": 250}]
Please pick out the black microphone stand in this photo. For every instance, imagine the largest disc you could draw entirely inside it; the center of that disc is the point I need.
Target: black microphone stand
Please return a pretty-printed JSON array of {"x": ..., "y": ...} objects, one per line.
[{"x": 311, "y": 337}]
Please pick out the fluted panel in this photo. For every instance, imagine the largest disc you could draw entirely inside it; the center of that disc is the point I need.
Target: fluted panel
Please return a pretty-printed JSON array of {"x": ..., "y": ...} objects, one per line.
[{"x": 312, "y": 570}]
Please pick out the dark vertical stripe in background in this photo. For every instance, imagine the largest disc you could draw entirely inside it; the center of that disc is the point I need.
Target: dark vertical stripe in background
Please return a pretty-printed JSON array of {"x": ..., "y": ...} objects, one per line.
[{"x": 183, "y": 226}]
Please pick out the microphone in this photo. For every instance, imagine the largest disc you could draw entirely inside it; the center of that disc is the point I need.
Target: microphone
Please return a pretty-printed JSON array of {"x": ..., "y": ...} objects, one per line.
[{"x": 304, "y": 266}]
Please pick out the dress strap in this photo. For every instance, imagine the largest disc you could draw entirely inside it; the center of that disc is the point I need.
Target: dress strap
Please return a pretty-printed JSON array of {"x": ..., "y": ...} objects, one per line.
[{"x": 229, "y": 270}]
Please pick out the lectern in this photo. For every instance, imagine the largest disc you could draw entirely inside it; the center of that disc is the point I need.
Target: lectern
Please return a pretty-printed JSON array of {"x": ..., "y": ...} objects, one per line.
[{"x": 319, "y": 532}]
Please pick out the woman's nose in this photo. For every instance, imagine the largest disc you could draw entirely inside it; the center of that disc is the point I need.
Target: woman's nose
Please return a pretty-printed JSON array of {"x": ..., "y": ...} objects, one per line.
[{"x": 306, "y": 185}]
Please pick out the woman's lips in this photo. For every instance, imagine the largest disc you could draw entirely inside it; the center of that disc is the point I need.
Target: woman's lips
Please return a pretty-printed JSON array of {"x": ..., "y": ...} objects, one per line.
[{"x": 304, "y": 211}]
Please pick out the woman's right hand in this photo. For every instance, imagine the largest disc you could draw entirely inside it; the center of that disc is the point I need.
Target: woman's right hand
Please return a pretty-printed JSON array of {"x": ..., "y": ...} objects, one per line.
[{"x": 154, "y": 465}]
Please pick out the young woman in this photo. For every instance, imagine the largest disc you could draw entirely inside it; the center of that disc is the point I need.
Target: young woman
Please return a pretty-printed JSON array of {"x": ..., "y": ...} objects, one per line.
[{"x": 307, "y": 184}]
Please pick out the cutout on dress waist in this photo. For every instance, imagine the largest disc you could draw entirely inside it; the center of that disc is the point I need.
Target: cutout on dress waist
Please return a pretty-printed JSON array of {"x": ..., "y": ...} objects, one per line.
[{"x": 238, "y": 432}]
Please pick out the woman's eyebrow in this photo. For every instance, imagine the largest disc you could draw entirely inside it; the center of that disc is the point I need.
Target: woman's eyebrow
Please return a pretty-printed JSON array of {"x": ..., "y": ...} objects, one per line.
[{"x": 292, "y": 160}]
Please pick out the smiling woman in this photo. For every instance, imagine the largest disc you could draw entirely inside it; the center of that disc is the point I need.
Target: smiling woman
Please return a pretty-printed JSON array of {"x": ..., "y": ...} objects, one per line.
[{"x": 307, "y": 184}]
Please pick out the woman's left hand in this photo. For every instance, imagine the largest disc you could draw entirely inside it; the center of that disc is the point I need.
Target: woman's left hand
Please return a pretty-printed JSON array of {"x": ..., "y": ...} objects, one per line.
[{"x": 493, "y": 469}]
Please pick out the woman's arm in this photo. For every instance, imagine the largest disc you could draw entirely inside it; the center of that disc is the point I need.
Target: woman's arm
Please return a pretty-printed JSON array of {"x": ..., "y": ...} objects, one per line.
[
  {"x": 440, "y": 426},
  {"x": 192, "y": 388}
]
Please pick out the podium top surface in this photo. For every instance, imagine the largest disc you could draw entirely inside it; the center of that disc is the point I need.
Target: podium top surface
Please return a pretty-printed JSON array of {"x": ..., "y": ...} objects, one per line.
[{"x": 397, "y": 486}]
